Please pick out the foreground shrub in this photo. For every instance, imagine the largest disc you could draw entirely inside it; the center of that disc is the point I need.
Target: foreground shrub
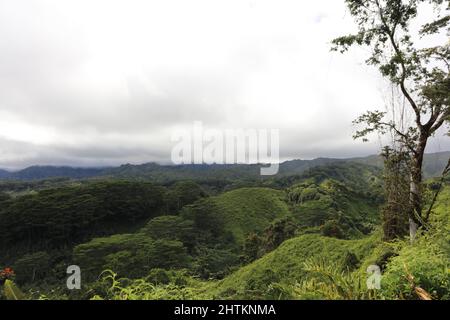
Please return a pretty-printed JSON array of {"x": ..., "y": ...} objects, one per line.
[
  {"x": 140, "y": 289},
  {"x": 428, "y": 266},
  {"x": 331, "y": 281}
]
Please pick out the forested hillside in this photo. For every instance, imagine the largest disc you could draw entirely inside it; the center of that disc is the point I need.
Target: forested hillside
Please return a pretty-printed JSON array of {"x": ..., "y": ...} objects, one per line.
[
  {"x": 264, "y": 241},
  {"x": 314, "y": 266}
]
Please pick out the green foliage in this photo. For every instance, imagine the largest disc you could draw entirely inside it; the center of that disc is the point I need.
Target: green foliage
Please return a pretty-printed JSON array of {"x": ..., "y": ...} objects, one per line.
[
  {"x": 168, "y": 254},
  {"x": 334, "y": 269},
  {"x": 65, "y": 216},
  {"x": 327, "y": 281},
  {"x": 331, "y": 228},
  {"x": 396, "y": 211},
  {"x": 250, "y": 210},
  {"x": 350, "y": 261},
  {"x": 361, "y": 176},
  {"x": 205, "y": 230},
  {"x": 198, "y": 254},
  {"x": 380, "y": 256},
  {"x": 429, "y": 266},
  {"x": 171, "y": 227},
  {"x": 281, "y": 268},
  {"x": 214, "y": 263},
  {"x": 32, "y": 266},
  {"x": 384, "y": 25},
  {"x": 331, "y": 205},
  {"x": 131, "y": 255},
  {"x": 183, "y": 193},
  {"x": 4, "y": 197},
  {"x": 208, "y": 222},
  {"x": 12, "y": 292},
  {"x": 158, "y": 276},
  {"x": 252, "y": 247},
  {"x": 275, "y": 234},
  {"x": 427, "y": 261},
  {"x": 124, "y": 289}
]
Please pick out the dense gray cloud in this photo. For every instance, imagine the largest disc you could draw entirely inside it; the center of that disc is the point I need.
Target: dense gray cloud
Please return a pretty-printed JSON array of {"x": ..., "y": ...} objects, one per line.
[{"x": 94, "y": 83}]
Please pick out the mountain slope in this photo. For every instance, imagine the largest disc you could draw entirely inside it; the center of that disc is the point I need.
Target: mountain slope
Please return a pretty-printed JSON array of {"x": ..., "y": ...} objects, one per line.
[
  {"x": 428, "y": 260},
  {"x": 250, "y": 209},
  {"x": 311, "y": 266},
  {"x": 285, "y": 265},
  {"x": 211, "y": 231}
]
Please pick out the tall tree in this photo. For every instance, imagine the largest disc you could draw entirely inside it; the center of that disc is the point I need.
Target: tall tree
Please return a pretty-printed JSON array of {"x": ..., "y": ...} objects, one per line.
[{"x": 421, "y": 73}]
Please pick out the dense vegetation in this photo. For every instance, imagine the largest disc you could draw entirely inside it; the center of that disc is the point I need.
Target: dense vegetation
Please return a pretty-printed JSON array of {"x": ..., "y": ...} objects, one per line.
[
  {"x": 320, "y": 229},
  {"x": 271, "y": 240},
  {"x": 312, "y": 266}
]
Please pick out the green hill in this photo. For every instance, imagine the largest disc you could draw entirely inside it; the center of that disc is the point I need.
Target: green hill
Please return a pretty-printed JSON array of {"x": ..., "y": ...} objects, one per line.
[
  {"x": 312, "y": 266},
  {"x": 208, "y": 234},
  {"x": 285, "y": 266},
  {"x": 250, "y": 209},
  {"x": 428, "y": 260},
  {"x": 311, "y": 235}
]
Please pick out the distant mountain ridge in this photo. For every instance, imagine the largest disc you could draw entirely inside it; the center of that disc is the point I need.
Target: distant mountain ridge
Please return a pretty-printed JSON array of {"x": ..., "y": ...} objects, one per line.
[
  {"x": 433, "y": 165},
  {"x": 45, "y": 172},
  {"x": 4, "y": 174}
]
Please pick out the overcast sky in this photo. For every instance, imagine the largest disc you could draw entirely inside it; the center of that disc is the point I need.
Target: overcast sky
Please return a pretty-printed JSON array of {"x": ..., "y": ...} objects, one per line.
[{"x": 93, "y": 83}]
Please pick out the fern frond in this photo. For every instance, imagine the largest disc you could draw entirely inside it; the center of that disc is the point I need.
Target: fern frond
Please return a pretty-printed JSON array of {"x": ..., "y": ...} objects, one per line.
[{"x": 12, "y": 292}]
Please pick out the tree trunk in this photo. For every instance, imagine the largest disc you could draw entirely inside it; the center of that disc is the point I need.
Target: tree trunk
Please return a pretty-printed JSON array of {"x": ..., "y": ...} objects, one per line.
[
  {"x": 413, "y": 221},
  {"x": 415, "y": 218},
  {"x": 413, "y": 226}
]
